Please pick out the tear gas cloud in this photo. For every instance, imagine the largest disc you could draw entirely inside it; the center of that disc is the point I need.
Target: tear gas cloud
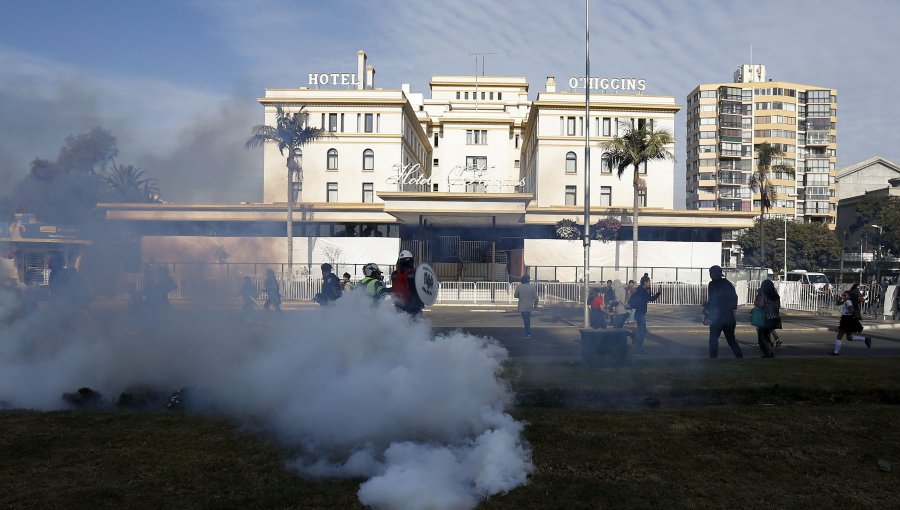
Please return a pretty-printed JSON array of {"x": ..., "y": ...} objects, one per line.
[{"x": 362, "y": 390}]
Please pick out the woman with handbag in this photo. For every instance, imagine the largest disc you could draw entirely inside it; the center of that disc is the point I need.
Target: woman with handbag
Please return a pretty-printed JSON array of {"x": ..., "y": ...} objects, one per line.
[
  {"x": 849, "y": 325},
  {"x": 766, "y": 316}
]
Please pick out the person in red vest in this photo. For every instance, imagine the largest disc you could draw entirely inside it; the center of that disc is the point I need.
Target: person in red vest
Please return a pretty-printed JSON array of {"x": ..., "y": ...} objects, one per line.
[{"x": 403, "y": 285}]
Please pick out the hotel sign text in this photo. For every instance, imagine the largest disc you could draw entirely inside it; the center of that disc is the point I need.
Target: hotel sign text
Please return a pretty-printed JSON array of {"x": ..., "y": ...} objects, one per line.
[
  {"x": 317, "y": 79},
  {"x": 577, "y": 82}
]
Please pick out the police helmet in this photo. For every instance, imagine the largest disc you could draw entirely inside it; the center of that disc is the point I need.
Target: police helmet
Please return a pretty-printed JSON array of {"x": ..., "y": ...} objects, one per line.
[
  {"x": 405, "y": 254},
  {"x": 371, "y": 269}
]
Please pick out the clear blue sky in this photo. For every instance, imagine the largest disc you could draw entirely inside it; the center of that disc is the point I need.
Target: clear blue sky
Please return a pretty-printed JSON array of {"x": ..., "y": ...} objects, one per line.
[{"x": 176, "y": 81}]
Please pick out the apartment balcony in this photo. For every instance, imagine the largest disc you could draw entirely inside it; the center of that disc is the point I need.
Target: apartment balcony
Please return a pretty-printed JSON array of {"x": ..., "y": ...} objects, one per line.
[
  {"x": 729, "y": 204},
  {"x": 818, "y": 138},
  {"x": 816, "y": 211},
  {"x": 724, "y": 153},
  {"x": 732, "y": 181}
]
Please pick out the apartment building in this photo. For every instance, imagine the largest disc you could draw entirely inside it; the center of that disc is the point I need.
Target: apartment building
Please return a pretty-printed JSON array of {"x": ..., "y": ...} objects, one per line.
[{"x": 727, "y": 121}]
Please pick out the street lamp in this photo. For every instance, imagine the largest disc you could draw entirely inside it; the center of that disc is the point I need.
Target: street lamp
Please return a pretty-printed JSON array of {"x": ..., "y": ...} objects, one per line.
[
  {"x": 785, "y": 250},
  {"x": 878, "y": 260}
]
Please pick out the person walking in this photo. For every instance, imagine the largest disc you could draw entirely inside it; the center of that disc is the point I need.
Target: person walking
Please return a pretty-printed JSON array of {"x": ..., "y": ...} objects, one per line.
[
  {"x": 629, "y": 290},
  {"x": 273, "y": 292},
  {"x": 373, "y": 281},
  {"x": 248, "y": 296},
  {"x": 849, "y": 326},
  {"x": 856, "y": 298},
  {"x": 616, "y": 306},
  {"x": 638, "y": 303},
  {"x": 719, "y": 312},
  {"x": 769, "y": 302},
  {"x": 526, "y": 293},
  {"x": 331, "y": 286}
]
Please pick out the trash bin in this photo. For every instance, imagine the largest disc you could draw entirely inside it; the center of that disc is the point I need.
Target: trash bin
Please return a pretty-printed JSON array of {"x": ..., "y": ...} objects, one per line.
[{"x": 604, "y": 346}]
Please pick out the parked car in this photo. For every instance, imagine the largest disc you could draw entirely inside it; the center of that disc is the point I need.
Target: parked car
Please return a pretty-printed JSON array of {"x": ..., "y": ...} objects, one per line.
[{"x": 818, "y": 280}]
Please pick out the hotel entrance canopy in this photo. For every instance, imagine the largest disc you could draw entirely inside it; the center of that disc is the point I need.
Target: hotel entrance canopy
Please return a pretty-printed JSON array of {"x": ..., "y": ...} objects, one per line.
[{"x": 457, "y": 209}]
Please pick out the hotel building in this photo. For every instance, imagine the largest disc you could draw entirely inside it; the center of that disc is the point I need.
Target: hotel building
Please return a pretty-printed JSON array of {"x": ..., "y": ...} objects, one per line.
[
  {"x": 472, "y": 179},
  {"x": 725, "y": 124}
]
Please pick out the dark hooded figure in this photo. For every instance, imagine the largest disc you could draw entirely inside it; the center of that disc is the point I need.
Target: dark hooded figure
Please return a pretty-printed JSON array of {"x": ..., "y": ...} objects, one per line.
[{"x": 719, "y": 312}]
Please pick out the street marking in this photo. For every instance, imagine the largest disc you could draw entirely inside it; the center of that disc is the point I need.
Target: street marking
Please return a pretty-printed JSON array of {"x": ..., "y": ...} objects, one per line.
[{"x": 488, "y": 310}]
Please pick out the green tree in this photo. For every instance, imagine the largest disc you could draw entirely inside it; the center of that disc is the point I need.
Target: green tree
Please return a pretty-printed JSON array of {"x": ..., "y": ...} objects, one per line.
[
  {"x": 66, "y": 190},
  {"x": 884, "y": 212},
  {"x": 768, "y": 158},
  {"x": 810, "y": 246},
  {"x": 636, "y": 146},
  {"x": 290, "y": 133},
  {"x": 127, "y": 183}
]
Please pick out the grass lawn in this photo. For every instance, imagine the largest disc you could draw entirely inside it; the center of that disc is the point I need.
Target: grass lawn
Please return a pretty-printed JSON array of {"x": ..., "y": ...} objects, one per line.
[{"x": 802, "y": 433}]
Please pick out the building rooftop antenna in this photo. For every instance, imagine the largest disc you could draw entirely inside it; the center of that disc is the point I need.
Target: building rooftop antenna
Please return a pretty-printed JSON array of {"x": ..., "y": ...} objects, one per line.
[{"x": 477, "y": 54}]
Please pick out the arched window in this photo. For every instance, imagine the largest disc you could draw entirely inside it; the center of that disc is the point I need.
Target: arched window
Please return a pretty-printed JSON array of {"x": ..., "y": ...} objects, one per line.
[
  {"x": 368, "y": 160},
  {"x": 332, "y": 159},
  {"x": 571, "y": 163}
]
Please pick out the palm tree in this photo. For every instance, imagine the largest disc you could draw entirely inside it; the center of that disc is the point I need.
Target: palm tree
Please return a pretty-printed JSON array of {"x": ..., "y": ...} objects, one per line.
[
  {"x": 635, "y": 147},
  {"x": 759, "y": 182},
  {"x": 291, "y": 132},
  {"x": 126, "y": 183}
]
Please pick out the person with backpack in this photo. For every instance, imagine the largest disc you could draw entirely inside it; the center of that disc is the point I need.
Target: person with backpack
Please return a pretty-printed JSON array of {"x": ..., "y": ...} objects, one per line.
[
  {"x": 403, "y": 285},
  {"x": 719, "y": 312},
  {"x": 638, "y": 302}
]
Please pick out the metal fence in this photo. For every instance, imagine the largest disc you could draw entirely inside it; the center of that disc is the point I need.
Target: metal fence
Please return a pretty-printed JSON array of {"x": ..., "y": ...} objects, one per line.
[{"x": 794, "y": 295}]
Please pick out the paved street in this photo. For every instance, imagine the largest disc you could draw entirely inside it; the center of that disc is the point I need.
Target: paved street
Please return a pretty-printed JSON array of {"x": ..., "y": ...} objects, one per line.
[{"x": 673, "y": 331}]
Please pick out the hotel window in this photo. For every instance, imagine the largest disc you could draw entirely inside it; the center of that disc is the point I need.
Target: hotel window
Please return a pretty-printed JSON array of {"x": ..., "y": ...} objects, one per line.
[
  {"x": 368, "y": 160},
  {"x": 332, "y": 122},
  {"x": 436, "y": 139},
  {"x": 332, "y": 159},
  {"x": 475, "y": 187},
  {"x": 570, "y": 126},
  {"x": 517, "y": 141},
  {"x": 437, "y": 162},
  {"x": 358, "y": 122},
  {"x": 378, "y": 123},
  {"x": 642, "y": 197},
  {"x": 467, "y": 95},
  {"x": 607, "y": 126},
  {"x": 332, "y": 192},
  {"x": 482, "y": 96},
  {"x": 571, "y": 163},
  {"x": 369, "y": 126},
  {"x": 476, "y": 162},
  {"x": 457, "y": 94},
  {"x": 643, "y": 168},
  {"x": 570, "y": 195},
  {"x": 606, "y": 195},
  {"x": 476, "y": 137},
  {"x": 516, "y": 164},
  {"x": 368, "y": 193},
  {"x": 604, "y": 169},
  {"x": 491, "y": 96},
  {"x": 499, "y": 96}
]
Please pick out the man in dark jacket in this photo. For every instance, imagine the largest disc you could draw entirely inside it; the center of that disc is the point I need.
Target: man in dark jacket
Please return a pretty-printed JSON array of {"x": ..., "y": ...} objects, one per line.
[
  {"x": 640, "y": 296},
  {"x": 719, "y": 312},
  {"x": 331, "y": 286}
]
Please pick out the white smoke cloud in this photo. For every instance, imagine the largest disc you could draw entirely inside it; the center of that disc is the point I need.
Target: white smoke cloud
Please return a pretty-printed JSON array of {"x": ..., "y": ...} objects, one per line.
[{"x": 360, "y": 390}]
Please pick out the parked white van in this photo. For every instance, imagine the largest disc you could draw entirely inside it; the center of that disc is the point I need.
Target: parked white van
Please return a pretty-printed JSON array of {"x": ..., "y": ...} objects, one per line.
[{"x": 808, "y": 278}]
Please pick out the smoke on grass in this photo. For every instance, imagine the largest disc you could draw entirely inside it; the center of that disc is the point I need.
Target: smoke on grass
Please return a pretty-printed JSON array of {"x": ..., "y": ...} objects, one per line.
[{"x": 358, "y": 389}]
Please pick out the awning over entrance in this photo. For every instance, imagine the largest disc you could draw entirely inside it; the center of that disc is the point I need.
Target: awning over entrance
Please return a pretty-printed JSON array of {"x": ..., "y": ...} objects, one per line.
[{"x": 457, "y": 209}]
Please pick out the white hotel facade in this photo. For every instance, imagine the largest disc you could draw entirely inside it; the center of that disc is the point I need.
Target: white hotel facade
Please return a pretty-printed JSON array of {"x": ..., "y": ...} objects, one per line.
[{"x": 473, "y": 179}]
